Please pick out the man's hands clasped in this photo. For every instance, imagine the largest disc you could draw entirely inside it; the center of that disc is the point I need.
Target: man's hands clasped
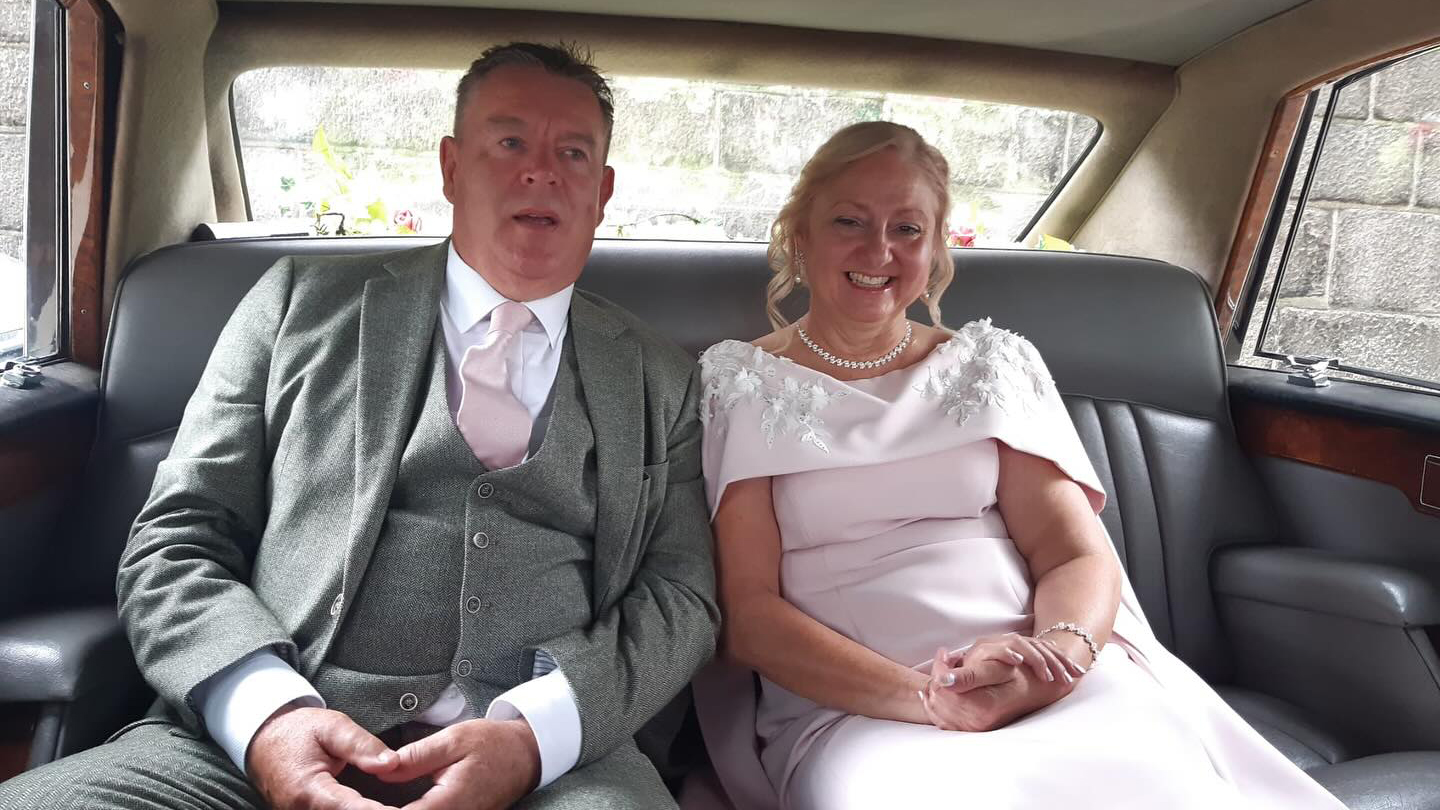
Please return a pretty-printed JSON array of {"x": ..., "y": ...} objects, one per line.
[
  {"x": 996, "y": 681},
  {"x": 297, "y": 754}
]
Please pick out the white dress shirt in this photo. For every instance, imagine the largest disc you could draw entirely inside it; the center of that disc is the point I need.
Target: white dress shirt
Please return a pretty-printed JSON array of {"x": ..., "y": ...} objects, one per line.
[{"x": 236, "y": 701}]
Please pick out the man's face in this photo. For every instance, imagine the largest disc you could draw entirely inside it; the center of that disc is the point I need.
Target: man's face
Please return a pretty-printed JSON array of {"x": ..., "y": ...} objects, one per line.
[{"x": 527, "y": 177}]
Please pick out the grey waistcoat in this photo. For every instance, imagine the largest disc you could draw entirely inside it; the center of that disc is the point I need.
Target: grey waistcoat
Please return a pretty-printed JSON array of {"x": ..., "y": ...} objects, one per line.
[{"x": 471, "y": 566}]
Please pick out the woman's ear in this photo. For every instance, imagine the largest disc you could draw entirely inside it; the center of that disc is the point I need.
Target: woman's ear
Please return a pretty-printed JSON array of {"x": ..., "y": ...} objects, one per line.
[{"x": 800, "y": 241}]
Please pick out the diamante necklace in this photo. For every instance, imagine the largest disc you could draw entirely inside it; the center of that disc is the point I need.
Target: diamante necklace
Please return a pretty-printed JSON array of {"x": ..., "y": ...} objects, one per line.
[{"x": 857, "y": 364}]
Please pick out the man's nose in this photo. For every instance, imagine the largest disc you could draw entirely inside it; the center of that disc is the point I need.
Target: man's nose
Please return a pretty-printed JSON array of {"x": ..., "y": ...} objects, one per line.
[{"x": 541, "y": 171}]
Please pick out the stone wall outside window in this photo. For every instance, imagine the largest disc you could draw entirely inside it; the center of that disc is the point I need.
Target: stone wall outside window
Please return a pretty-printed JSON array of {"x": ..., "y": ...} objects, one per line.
[
  {"x": 697, "y": 160},
  {"x": 1363, "y": 279},
  {"x": 15, "y": 27}
]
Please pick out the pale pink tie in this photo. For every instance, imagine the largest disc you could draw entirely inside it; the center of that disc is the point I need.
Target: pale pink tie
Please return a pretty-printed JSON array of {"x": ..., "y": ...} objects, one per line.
[{"x": 494, "y": 423}]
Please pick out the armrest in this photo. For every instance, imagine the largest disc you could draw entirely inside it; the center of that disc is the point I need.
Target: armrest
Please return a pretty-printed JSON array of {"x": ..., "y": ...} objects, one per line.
[
  {"x": 1324, "y": 582},
  {"x": 59, "y": 656}
]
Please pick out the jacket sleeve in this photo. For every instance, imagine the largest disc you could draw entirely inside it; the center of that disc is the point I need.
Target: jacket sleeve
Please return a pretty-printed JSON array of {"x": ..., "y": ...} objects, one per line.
[
  {"x": 642, "y": 650},
  {"x": 183, "y": 584}
]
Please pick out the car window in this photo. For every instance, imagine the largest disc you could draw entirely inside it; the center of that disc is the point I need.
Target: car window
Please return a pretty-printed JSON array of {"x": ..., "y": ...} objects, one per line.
[
  {"x": 16, "y": 23},
  {"x": 333, "y": 148},
  {"x": 1354, "y": 274}
]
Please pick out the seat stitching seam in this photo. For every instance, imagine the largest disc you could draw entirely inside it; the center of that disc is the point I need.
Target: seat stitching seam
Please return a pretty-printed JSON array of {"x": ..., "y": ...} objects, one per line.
[{"x": 1160, "y": 527}]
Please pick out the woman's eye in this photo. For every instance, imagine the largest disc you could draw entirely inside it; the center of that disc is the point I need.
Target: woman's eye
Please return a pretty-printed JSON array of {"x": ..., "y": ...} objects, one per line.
[
  {"x": 911, "y": 230},
  {"x": 848, "y": 222}
]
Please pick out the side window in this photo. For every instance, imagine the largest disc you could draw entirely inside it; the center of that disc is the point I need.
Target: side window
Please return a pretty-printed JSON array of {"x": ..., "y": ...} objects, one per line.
[
  {"x": 354, "y": 148},
  {"x": 16, "y": 25},
  {"x": 1354, "y": 273}
]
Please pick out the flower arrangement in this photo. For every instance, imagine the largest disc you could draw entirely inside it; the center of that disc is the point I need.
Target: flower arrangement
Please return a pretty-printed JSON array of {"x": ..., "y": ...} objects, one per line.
[
  {"x": 345, "y": 205},
  {"x": 964, "y": 236}
]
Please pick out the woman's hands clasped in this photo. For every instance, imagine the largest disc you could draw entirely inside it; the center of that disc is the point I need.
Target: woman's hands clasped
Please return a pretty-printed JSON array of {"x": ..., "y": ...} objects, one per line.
[{"x": 995, "y": 681}]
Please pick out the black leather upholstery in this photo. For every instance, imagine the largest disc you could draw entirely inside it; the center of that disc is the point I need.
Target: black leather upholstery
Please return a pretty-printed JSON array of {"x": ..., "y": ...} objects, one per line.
[
  {"x": 78, "y": 666},
  {"x": 1159, "y": 405},
  {"x": 1131, "y": 343},
  {"x": 1324, "y": 582},
  {"x": 53, "y": 656},
  {"x": 1287, "y": 728},
  {"x": 1346, "y": 641},
  {"x": 1402, "y": 781}
]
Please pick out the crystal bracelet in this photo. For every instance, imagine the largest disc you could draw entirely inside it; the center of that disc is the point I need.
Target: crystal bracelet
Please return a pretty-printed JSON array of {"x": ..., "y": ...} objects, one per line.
[{"x": 1071, "y": 627}]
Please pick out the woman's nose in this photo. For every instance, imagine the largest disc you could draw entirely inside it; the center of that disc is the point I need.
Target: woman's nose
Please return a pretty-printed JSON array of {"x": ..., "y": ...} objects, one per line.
[{"x": 877, "y": 249}]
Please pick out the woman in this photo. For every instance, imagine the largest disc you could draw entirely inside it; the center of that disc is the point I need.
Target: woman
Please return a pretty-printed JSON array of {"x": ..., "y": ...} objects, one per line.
[{"x": 885, "y": 492}]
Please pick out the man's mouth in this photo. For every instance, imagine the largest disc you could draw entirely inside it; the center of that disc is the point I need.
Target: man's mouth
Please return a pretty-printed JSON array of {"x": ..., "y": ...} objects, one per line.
[
  {"x": 537, "y": 218},
  {"x": 869, "y": 282}
]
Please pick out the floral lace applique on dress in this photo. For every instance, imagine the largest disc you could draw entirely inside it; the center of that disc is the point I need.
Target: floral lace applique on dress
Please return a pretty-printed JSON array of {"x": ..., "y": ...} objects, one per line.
[
  {"x": 733, "y": 372},
  {"x": 985, "y": 366}
]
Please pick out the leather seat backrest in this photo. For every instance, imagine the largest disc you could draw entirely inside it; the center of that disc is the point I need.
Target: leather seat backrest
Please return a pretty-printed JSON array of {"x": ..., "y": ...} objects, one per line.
[
  {"x": 1134, "y": 349},
  {"x": 1131, "y": 344}
]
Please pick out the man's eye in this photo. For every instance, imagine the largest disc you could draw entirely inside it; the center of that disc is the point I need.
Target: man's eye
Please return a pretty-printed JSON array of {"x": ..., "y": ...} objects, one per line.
[
  {"x": 575, "y": 154},
  {"x": 510, "y": 143}
]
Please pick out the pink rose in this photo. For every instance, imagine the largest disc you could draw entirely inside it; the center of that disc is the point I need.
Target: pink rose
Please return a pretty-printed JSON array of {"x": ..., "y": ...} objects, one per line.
[
  {"x": 406, "y": 221},
  {"x": 964, "y": 236}
]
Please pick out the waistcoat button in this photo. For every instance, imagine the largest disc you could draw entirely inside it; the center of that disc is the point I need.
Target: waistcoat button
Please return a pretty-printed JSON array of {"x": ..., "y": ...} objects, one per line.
[
  {"x": 480, "y": 540},
  {"x": 473, "y": 604},
  {"x": 463, "y": 668},
  {"x": 337, "y": 604},
  {"x": 408, "y": 701},
  {"x": 485, "y": 490}
]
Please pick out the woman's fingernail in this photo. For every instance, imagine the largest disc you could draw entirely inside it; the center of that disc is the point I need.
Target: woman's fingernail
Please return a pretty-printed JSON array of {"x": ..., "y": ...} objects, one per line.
[
  {"x": 1049, "y": 676},
  {"x": 948, "y": 679}
]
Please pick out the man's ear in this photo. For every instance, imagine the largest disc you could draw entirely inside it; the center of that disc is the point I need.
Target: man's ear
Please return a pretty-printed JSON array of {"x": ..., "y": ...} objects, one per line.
[
  {"x": 607, "y": 189},
  {"x": 449, "y": 160}
]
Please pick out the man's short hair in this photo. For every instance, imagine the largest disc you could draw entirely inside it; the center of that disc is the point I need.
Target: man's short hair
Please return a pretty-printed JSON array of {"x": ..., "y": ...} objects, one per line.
[{"x": 561, "y": 59}]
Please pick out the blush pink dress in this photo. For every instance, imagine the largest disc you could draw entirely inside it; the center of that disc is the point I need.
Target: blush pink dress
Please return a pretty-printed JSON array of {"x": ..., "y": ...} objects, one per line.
[{"x": 885, "y": 494}]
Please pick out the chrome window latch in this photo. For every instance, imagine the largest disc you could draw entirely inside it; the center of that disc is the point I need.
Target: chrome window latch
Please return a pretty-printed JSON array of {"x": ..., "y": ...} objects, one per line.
[
  {"x": 1311, "y": 372},
  {"x": 18, "y": 374}
]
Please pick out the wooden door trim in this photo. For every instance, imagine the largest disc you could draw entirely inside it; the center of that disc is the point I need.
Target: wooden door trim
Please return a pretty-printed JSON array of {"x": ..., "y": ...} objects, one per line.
[
  {"x": 1383, "y": 453},
  {"x": 1256, "y": 212},
  {"x": 17, "y": 732},
  {"x": 85, "y": 48}
]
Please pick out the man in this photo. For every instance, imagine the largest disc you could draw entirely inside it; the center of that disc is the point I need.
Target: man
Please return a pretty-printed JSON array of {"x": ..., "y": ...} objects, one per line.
[{"x": 433, "y": 526}]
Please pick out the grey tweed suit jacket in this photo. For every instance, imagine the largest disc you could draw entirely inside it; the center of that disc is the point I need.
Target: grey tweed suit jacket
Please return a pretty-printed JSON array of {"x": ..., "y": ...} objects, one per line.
[{"x": 262, "y": 519}]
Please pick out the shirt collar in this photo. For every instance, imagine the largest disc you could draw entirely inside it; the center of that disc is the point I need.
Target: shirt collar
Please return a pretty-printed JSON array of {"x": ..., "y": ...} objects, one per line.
[{"x": 469, "y": 299}]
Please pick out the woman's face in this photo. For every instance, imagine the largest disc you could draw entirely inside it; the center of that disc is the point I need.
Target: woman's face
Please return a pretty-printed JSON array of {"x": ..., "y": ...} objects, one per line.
[{"x": 868, "y": 240}]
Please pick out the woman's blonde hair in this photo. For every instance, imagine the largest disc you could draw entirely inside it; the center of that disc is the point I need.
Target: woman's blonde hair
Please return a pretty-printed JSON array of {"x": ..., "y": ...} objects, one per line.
[{"x": 844, "y": 148}]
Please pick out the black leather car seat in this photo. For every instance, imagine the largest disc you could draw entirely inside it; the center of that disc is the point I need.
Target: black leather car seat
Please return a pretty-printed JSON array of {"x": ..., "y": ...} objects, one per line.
[{"x": 1131, "y": 343}]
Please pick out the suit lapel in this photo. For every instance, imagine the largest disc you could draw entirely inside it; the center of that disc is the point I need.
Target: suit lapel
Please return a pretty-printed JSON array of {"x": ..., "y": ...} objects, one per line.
[
  {"x": 612, "y": 379},
  {"x": 397, "y": 324}
]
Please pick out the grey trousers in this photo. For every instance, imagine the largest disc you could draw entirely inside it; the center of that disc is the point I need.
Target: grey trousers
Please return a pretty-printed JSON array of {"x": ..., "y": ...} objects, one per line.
[{"x": 149, "y": 767}]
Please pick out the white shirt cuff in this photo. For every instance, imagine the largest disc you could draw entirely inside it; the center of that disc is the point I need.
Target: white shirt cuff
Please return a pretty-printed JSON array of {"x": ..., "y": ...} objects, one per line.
[
  {"x": 548, "y": 705},
  {"x": 237, "y": 700}
]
